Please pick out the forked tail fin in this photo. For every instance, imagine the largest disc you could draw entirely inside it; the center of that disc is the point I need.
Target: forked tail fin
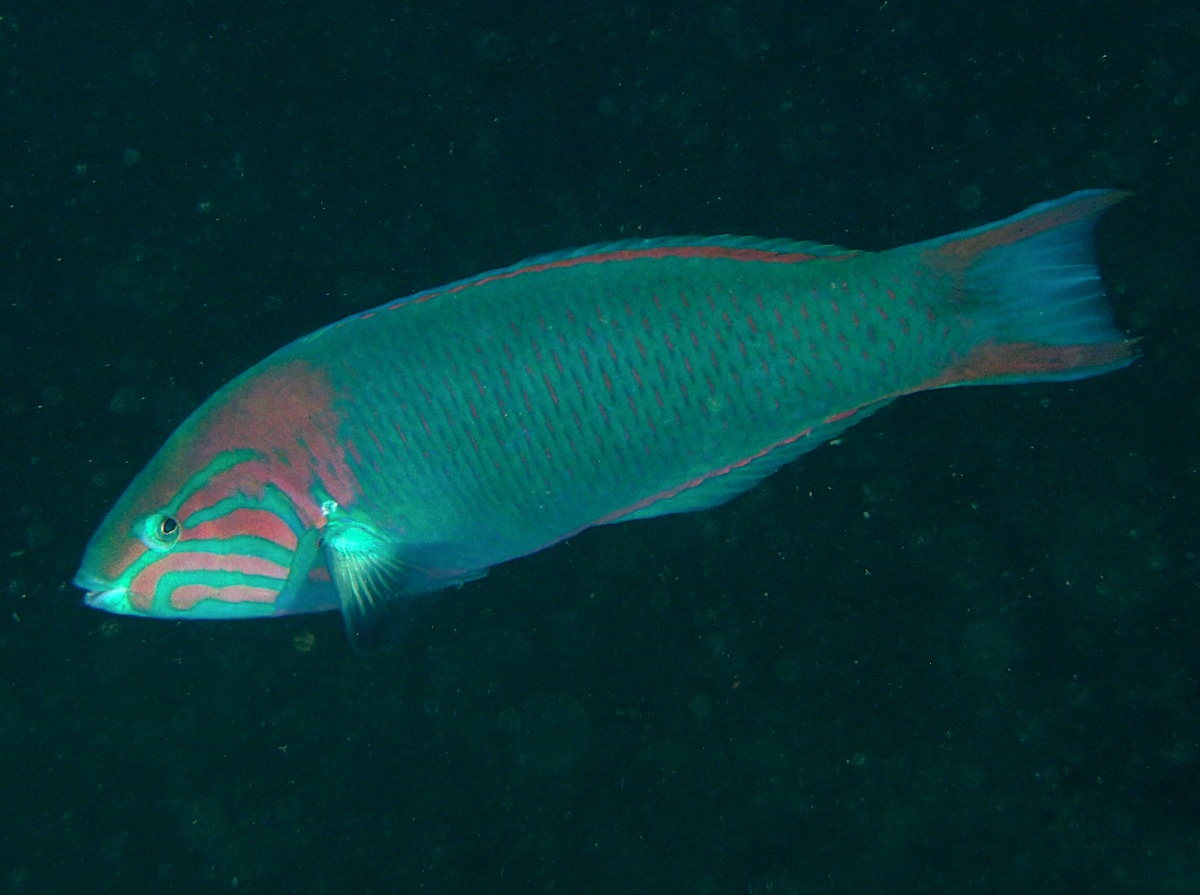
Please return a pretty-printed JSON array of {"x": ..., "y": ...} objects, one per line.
[{"x": 1030, "y": 282}]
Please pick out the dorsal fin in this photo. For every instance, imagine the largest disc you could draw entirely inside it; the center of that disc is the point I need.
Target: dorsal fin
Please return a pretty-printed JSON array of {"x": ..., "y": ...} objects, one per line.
[{"x": 734, "y": 247}]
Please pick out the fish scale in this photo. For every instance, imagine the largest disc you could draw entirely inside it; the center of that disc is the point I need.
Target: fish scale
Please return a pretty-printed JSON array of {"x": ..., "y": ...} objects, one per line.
[
  {"x": 611, "y": 433},
  {"x": 413, "y": 446}
]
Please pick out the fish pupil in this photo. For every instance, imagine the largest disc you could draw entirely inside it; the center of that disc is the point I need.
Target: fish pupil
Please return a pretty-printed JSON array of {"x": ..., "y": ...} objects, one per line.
[{"x": 167, "y": 527}]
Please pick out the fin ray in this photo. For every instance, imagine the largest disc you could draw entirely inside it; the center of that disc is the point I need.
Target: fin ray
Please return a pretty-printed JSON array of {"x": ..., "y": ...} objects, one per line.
[
  {"x": 1031, "y": 282},
  {"x": 368, "y": 575}
]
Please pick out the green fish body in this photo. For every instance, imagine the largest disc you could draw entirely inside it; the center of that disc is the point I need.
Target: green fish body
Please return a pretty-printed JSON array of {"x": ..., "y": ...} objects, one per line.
[{"x": 411, "y": 447}]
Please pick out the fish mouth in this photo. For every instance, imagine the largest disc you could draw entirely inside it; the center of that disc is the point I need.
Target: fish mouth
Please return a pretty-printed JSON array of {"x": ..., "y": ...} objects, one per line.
[{"x": 100, "y": 594}]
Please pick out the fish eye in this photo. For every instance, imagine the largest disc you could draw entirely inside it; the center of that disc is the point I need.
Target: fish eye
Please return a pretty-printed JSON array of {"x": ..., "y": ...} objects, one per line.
[{"x": 160, "y": 531}]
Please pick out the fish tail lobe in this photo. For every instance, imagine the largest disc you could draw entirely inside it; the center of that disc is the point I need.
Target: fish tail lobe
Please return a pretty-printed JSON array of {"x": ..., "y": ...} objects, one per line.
[{"x": 1031, "y": 286}]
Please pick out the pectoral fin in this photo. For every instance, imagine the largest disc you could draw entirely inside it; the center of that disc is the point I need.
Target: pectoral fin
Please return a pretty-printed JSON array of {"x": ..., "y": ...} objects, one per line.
[{"x": 370, "y": 578}]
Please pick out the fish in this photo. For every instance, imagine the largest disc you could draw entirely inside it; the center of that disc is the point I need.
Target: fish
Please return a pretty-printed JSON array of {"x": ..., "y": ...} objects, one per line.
[{"x": 409, "y": 448}]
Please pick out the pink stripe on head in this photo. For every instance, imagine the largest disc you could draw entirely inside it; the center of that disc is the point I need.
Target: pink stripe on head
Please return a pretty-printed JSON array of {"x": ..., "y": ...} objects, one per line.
[
  {"x": 187, "y": 596},
  {"x": 146, "y": 582},
  {"x": 284, "y": 411},
  {"x": 246, "y": 521}
]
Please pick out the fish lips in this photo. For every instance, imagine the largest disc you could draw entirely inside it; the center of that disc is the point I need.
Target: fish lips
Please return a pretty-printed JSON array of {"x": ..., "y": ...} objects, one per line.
[{"x": 101, "y": 594}]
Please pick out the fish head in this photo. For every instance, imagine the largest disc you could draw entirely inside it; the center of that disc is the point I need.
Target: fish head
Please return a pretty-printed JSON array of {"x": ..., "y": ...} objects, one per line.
[{"x": 225, "y": 520}]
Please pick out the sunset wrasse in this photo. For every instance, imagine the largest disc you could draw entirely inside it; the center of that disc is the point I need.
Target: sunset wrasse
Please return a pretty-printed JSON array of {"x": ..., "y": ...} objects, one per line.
[{"x": 411, "y": 447}]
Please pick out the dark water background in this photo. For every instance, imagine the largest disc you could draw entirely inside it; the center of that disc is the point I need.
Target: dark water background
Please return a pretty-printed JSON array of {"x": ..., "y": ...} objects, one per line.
[{"x": 956, "y": 653}]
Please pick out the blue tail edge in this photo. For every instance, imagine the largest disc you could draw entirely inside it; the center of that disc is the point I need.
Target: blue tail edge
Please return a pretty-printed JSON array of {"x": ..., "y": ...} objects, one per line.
[{"x": 1030, "y": 282}]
